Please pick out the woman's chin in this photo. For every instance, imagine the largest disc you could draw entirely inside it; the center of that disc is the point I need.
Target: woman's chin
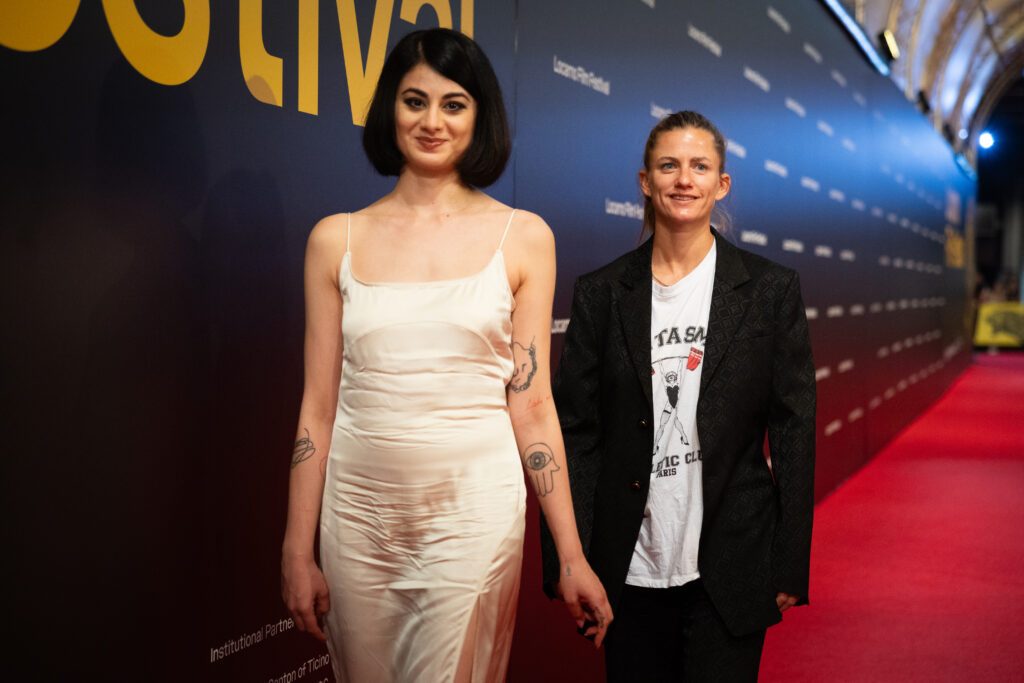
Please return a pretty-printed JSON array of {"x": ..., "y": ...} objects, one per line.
[{"x": 431, "y": 167}]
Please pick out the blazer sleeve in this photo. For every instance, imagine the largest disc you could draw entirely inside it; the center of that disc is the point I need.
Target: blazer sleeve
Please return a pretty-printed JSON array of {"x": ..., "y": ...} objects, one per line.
[
  {"x": 791, "y": 435},
  {"x": 576, "y": 391}
]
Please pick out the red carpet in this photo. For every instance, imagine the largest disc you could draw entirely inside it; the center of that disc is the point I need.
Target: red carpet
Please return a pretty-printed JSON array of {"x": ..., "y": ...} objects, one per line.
[{"x": 917, "y": 569}]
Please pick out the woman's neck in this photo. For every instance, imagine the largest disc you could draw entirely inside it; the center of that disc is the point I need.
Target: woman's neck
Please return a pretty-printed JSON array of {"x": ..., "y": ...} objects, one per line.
[
  {"x": 677, "y": 252},
  {"x": 432, "y": 195}
]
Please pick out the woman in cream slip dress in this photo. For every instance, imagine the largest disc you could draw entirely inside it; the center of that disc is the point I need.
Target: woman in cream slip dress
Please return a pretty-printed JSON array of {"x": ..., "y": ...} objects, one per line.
[
  {"x": 423, "y": 510},
  {"x": 432, "y": 389}
]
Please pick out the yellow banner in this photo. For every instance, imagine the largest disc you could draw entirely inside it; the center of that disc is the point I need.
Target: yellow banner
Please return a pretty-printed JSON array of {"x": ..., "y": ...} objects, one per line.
[{"x": 1000, "y": 324}]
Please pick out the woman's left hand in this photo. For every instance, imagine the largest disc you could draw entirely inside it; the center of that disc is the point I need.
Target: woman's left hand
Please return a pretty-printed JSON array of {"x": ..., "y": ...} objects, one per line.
[
  {"x": 585, "y": 597},
  {"x": 785, "y": 601}
]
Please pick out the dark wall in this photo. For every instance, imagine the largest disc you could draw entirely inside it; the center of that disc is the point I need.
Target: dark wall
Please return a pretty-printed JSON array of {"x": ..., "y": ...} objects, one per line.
[{"x": 154, "y": 222}]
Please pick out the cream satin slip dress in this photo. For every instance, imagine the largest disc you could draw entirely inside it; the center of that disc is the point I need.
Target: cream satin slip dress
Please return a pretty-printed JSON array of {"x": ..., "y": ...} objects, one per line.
[{"x": 421, "y": 528}]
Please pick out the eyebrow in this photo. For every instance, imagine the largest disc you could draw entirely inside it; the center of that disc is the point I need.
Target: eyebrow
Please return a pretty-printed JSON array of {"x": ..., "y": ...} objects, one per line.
[
  {"x": 417, "y": 91},
  {"x": 706, "y": 160}
]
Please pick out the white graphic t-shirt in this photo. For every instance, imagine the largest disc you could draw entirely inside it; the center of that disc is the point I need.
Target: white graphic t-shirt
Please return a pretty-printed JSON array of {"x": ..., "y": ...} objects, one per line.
[{"x": 666, "y": 549}]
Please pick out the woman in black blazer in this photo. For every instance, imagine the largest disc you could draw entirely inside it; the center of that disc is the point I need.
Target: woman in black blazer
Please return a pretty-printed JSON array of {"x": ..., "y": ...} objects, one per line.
[{"x": 682, "y": 360}]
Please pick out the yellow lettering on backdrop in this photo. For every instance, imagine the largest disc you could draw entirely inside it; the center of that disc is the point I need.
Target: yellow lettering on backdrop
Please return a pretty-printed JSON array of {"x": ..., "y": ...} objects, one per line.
[
  {"x": 362, "y": 81},
  {"x": 30, "y": 25},
  {"x": 309, "y": 56},
  {"x": 467, "y": 18},
  {"x": 263, "y": 73},
  {"x": 168, "y": 60},
  {"x": 411, "y": 8}
]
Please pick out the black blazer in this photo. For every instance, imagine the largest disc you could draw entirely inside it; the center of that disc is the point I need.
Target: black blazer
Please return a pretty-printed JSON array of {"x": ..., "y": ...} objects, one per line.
[{"x": 758, "y": 380}]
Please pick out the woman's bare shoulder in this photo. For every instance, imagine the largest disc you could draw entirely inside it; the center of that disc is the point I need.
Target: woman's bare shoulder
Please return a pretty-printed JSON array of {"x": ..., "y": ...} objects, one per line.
[
  {"x": 330, "y": 232},
  {"x": 529, "y": 249},
  {"x": 530, "y": 230},
  {"x": 530, "y": 221}
]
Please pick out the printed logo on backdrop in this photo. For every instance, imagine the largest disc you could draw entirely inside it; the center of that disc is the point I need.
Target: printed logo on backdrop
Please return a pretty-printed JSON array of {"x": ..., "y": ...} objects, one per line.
[
  {"x": 813, "y": 53},
  {"x": 580, "y": 75},
  {"x": 660, "y": 112},
  {"x": 703, "y": 39},
  {"x": 776, "y": 168},
  {"x": 810, "y": 183},
  {"x": 318, "y": 664},
  {"x": 310, "y": 666},
  {"x": 251, "y": 639},
  {"x": 754, "y": 237},
  {"x": 756, "y": 78},
  {"x": 777, "y": 17},
  {"x": 733, "y": 147},
  {"x": 795, "y": 107},
  {"x": 173, "y": 60},
  {"x": 625, "y": 209}
]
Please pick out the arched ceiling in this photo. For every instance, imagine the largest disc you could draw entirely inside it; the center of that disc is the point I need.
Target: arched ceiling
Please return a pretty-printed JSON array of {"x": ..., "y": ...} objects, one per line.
[{"x": 956, "y": 57}]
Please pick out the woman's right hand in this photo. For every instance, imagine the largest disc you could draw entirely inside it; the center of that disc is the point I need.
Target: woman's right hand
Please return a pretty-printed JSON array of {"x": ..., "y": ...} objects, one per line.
[
  {"x": 586, "y": 599},
  {"x": 305, "y": 593}
]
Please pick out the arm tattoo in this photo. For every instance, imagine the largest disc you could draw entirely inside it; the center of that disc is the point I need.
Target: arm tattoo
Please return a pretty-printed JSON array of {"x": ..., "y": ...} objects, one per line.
[
  {"x": 568, "y": 570},
  {"x": 525, "y": 366},
  {"x": 303, "y": 450},
  {"x": 540, "y": 461}
]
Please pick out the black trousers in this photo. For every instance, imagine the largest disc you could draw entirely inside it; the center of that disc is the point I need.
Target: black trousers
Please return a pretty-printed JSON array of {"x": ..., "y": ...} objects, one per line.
[{"x": 675, "y": 634}]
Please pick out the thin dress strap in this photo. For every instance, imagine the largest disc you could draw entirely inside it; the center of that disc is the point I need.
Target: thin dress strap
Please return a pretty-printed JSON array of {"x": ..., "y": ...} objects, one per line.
[
  {"x": 348, "y": 235},
  {"x": 507, "y": 226}
]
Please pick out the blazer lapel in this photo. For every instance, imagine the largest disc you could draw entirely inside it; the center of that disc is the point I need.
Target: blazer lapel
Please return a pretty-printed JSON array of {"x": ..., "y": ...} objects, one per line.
[
  {"x": 633, "y": 301},
  {"x": 728, "y": 306}
]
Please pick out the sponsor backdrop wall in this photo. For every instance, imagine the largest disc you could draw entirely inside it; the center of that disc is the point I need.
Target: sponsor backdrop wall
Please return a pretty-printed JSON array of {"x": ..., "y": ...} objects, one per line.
[{"x": 163, "y": 164}]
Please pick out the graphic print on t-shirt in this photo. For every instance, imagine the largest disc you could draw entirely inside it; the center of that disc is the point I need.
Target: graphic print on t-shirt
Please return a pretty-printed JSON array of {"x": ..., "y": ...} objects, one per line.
[
  {"x": 675, "y": 356},
  {"x": 669, "y": 368}
]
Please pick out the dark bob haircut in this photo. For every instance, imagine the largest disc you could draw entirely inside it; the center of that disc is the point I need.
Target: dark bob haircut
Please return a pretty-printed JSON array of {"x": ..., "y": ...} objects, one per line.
[{"x": 458, "y": 59}]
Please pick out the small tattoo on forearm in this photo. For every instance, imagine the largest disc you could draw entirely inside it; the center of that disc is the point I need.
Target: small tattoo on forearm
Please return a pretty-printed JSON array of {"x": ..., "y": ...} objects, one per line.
[
  {"x": 525, "y": 360},
  {"x": 303, "y": 450},
  {"x": 568, "y": 570},
  {"x": 541, "y": 462}
]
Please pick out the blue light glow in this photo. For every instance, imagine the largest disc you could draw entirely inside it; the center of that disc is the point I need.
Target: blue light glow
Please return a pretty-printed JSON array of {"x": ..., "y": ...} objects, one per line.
[
  {"x": 986, "y": 140},
  {"x": 858, "y": 34}
]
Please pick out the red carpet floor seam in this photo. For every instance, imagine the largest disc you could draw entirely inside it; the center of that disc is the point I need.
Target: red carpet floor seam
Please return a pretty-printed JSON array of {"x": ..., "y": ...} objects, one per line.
[{"x": 917, "y": 564}]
